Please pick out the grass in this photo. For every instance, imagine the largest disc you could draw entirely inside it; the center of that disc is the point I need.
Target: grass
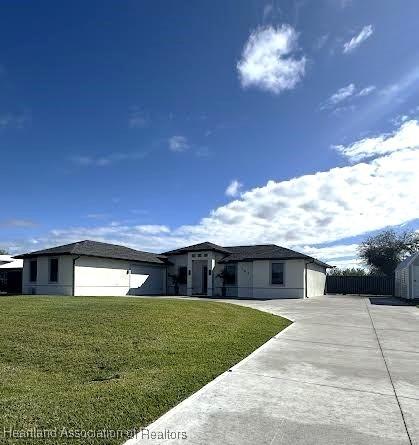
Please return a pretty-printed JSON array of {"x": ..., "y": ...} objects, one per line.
[{"x": 113, "y": 363}]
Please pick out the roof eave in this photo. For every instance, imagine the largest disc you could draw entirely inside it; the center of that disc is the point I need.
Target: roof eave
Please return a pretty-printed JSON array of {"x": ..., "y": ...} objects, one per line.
[{"x": 34, "y": 255}]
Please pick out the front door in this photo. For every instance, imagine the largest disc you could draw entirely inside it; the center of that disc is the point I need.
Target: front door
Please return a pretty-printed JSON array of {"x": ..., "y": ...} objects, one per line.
[
  {"x": 415, "y": 281},
  {"x": 204, "y": 280}
]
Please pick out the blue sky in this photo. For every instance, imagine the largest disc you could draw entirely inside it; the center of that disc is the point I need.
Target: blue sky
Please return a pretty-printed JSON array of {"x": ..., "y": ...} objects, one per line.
[{"x": 155, "y": 124}]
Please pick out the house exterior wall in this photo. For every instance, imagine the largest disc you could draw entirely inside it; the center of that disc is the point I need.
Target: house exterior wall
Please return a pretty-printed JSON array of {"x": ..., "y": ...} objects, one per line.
[
  {"x": 254, "y": 280},
  {"x": 293, "y": 286},
  {"x": 42, "y": 286},
  {"x": 94, "y": 276},
  {"x": 245, "y": 279},
  {"x": 106, "y": 276},
  {"x": 316, "y": 280}
]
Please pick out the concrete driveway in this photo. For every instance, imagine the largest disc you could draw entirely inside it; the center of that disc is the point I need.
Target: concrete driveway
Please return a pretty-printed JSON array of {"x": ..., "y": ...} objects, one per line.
[{"x": 345, "y": 372}]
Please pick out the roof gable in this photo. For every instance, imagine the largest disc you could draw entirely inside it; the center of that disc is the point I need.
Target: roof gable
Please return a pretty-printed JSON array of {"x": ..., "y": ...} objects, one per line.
[
  {"x": 198, "y": 247},
  {"x": 407, "y": 261}
]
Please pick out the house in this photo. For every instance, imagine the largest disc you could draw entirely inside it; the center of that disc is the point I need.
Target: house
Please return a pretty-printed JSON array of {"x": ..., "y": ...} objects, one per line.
[
  {"x": 407, "y": 278},
  {"x": 95, "y": 268},
  {"x": 10, "y": 275}
]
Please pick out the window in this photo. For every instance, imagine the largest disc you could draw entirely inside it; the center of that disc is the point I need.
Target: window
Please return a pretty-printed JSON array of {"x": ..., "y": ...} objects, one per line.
[
  {"x": 53, "y": 270},
  {"x": 230, "y": 274},
  {"x": 277, "y": 273},
  {"x": 33, "y": 270},
  {"x": 182, "y": 274}
]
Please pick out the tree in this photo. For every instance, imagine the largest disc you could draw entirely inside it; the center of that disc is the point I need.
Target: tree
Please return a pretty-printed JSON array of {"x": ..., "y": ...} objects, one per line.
[
  {"x": 4, "y": 252},
  {"x": 350, "y": 271},
  {"x": 383, "y": 252}
]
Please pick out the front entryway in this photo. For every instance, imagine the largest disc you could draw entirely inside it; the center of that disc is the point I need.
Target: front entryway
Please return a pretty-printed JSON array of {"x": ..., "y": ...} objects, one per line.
[{"x": 199, "y": 277}]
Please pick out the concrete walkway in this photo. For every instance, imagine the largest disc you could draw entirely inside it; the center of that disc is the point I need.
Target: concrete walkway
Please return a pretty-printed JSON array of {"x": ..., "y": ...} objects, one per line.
[{"x": 345, "y": 372}]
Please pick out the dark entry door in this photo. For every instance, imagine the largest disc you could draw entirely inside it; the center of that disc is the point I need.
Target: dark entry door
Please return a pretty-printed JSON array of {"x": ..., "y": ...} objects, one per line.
[{"x": 204, "y": 280}]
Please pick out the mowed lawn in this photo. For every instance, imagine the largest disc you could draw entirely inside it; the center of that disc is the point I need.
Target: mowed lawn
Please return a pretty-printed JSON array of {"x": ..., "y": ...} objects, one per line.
[{"x": 113, "y": 363}]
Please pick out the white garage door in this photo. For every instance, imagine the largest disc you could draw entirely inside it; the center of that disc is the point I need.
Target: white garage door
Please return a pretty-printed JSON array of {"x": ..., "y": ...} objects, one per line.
[{"x": 146, "y": 280}]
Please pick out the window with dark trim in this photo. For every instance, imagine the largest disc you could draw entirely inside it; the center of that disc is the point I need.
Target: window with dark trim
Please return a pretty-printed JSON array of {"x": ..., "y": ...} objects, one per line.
[
  {"x": 277, "y": 273},
  {"x": 53, "y": 270},
  {"x": 230, "y": 274},
  {"x": 183, "y": 270},
  {"x": 33, "y": 270}
]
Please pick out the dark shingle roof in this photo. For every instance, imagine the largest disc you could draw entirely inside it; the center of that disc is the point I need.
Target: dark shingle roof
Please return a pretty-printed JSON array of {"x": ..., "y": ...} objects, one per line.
[
  {"x": 98, "y": 249},
  {"x": 248, "y": 253},
  {"x": 265, "y": 252},
  {"x": 197, "y": 247}
]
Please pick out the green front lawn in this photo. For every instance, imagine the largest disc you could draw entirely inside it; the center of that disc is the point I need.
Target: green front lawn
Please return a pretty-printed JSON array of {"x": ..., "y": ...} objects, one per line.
[{"x": 113, "y": 363}]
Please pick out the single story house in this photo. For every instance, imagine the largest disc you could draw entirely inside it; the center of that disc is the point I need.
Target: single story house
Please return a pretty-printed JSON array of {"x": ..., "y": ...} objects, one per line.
[
  {"x": 406, "y": 282},
  {"x": 10, "y": 275},
  {"x": 95, "y": 268}
]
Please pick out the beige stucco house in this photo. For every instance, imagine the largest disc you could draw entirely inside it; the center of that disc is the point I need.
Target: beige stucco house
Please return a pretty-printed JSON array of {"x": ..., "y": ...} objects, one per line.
[{"x": 94, "y": 268}]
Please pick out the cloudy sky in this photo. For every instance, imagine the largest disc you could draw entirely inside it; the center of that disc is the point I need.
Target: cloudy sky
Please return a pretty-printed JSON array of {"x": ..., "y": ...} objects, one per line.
[{"x": 158, "y": 124}]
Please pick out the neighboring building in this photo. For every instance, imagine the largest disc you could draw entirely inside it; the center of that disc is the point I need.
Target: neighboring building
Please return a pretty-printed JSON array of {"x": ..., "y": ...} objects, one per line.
[
  {"x": 93, "y": 268},
  {"x": 407, "y": 278},
  {"x": 10, "y": 275}
]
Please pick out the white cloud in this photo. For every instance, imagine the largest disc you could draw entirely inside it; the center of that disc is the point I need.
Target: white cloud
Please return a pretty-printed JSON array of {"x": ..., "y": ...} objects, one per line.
[
  {"x": 178, "y": 144},
  {"x": 367, "y": 91},
  {"x": 152, "y": 229},
  {"x": 342, "y": 94},
  {"x": 268, "y": 60},
  {"x": 345, "y": 94},
  {"x": 302, "y": 213},
  {"x": 233, "y": 188},
  {"x": 357, "y": 40},
  {"x": 405, "y": 137},
  {"x": 336, "y": 252}
]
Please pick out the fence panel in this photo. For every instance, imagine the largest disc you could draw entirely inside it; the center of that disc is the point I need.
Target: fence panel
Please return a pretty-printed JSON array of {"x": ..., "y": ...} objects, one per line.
[{"x": 361, "y": 285}]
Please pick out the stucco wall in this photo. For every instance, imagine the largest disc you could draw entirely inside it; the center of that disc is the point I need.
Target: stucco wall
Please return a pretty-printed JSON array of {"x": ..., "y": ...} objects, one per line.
[
  {"x": 43, "y": 286},
  {"x": 316, "y": 280},
  {"x": 293, "y": 286},
  {"x": 104, "y": 276},
  {"x": 254, "y": 280},
  {"x": 245, "y": 279}
]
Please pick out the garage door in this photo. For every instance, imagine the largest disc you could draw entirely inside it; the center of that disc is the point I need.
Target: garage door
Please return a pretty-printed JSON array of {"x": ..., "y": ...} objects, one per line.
[{"x": 146, "y": 280}]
